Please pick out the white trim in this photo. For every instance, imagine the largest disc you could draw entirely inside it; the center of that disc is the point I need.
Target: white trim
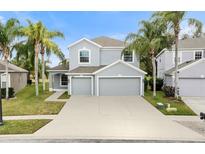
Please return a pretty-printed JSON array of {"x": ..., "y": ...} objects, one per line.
[
  {"x": 202, "y": 54},
  {"x": 59, "y": 89},
  {"x": 161, "y": 52},
  {"x": 89, "y": 53},
  {"x": 119, "y": 61},
  {"x": 82, "y": 77},
  {"x": 78, "y": 73},
  {"x": 141, "y": 81},
  {"x": 57, "y": 70},
  {"x": 61, "y": 80},
  {"x": 133, "y": 58},
  {"x": 192, "y": 64},
  {"x": 78, "y": 41}
]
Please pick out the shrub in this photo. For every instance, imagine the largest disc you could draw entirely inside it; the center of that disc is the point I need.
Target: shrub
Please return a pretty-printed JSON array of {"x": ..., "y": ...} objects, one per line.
[
  {"x": 169, "y": 91},
  {"x": 11, "y": 92},
  {"x": 29, "y": 82},
  {"x": 159, "y": 84},
  {"x": 145, "y": 84}
]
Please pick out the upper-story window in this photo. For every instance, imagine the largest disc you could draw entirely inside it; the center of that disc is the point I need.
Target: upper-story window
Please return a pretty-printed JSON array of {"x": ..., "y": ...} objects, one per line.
[
  {"x": 198, "y": 55},
  {"x": 84, "y": 56},
  {"x": 128, "y": 57}
]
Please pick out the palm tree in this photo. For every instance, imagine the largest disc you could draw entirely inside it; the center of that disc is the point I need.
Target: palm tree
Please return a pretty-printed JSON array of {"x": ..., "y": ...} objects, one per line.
[
  {"x": 48, "y": 46},
  {"x": 8, "y": 42},
  {"x": 25, "y": 57},
  {"x": 150, "y": 39},
  {"x": 173, "y": 20},
  {"x": 34, "y": 34}
]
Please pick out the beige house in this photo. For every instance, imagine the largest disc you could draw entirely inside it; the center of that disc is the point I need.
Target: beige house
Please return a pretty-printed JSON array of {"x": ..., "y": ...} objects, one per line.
[{"x": 17, "y": 76}]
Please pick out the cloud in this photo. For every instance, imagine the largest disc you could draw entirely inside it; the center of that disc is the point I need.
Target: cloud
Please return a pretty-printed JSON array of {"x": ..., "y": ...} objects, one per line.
[
  {"x": 2, "y": 19},
  {"x": 186, "y": 29}
]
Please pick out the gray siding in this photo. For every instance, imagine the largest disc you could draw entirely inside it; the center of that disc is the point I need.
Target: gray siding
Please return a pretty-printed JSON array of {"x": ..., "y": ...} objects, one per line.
[
  {"x": 187, "y": 56},
  {"x": 119, "y": 86},
  {"x": 119, "y": 70},
  {"x": 160, "y": 65},
  {"x": 196, "y": 71},
  {"x": 108, "y": 56},
  {"x": 54, "y": 81},
  {"x": 18, "y": 80},
  {"x": 73, "y": 54}
]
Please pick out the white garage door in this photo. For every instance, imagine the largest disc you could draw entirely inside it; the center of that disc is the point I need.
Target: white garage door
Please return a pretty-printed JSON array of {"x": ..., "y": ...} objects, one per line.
[
  {"x": 119, "y": 86},
  {"x": 81, "y": 86},
  {"x": 192, "y": 87}
]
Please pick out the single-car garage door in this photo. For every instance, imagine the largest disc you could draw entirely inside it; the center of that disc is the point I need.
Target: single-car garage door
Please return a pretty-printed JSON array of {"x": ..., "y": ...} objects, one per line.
[
  {"x": 81, "y": 86},
  {"x": 192, "y": 87},
  {"x": 119, "y": 86}
]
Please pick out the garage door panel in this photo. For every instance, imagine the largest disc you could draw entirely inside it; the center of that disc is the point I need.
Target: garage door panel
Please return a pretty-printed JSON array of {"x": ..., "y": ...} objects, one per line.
[
  {"x": 192, "y": 87},
  {"x": 81, "y": 86},
  {"x": 119, "y": 86}
]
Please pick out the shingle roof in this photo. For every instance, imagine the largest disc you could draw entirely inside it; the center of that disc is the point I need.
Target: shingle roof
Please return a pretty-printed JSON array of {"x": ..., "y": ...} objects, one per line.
[
  {"x": 59, "y": 67},
  {"x": 171, "y": 71},
  {"x": 108, "y": 42},
  {"x": 192, "y": 43},
  {"x": 86, "y": 69},
  {"x": 11, "y": 67}
]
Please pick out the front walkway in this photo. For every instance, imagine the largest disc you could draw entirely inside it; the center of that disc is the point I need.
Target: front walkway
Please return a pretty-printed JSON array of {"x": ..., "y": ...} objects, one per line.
[
  {"x": 122, "y": 117},
  {"x": 54, "y": 97}
]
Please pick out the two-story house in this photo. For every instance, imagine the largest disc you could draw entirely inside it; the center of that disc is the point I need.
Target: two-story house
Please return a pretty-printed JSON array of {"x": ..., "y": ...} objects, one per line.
[
  {"x": 98, "y": 67},
  {"x": 191, "y": 70}
]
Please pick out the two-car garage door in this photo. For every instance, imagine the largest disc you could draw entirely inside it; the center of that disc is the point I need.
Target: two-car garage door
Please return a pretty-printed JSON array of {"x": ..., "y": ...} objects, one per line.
[
  {"x": 192, "y": 87},
  {"x": 107, "y": 86},
  {"x": 119, "y": 86}
]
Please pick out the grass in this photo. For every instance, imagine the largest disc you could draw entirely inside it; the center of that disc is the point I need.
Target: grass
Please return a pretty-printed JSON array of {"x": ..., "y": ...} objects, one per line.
[
  {"x": 26, "y": 103},
  {"x": 64, "y": 96},
  {"x": 182, "y": 108},
  {"x": 22, "y": 126}
]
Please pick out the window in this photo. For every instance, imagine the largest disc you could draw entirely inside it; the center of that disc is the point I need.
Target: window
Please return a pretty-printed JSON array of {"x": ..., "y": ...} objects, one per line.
[
  {"x": 198, "y": 55},
  {"x": 84, "y": 56},
  {"x": 128, "y": 56},
  {"x": 3, "y": 80},
  {"x": 64, "y": 80}
]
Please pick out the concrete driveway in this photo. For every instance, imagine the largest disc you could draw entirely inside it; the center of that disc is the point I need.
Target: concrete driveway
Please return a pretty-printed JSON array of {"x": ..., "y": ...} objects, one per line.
[
  {"x": 197, "y": 104},
  {"x": 109, "y": 117}
]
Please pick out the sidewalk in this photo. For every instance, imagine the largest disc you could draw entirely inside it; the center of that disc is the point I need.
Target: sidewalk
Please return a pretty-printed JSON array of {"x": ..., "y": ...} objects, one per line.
[{"x": 27, "y": 117}]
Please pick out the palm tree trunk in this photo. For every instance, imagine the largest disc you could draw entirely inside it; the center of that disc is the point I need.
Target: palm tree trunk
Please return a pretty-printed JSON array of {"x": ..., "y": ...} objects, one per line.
[
  {"x": 154, "y": 75},
  {"x": 176, "y": 65},
  {"x": 43, "y": 72},
  {"x": 7, "y": 79},
  {"x": 36, "y": 67}
]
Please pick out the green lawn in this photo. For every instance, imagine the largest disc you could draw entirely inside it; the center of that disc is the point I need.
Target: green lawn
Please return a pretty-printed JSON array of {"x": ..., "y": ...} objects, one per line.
[
  {"x": 22, "y": 126},
  {"x": 182, "y": 108},
  {"x": 26, "y": 103},
  {"x": 64, "y": 96}
]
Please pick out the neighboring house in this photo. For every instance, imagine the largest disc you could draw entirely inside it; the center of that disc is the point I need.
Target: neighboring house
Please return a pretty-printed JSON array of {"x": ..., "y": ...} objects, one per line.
[
  {"x": 191, "y": 67},
  {"x": 17, "y": 76},
  {"x": 97, "y": 67}
]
